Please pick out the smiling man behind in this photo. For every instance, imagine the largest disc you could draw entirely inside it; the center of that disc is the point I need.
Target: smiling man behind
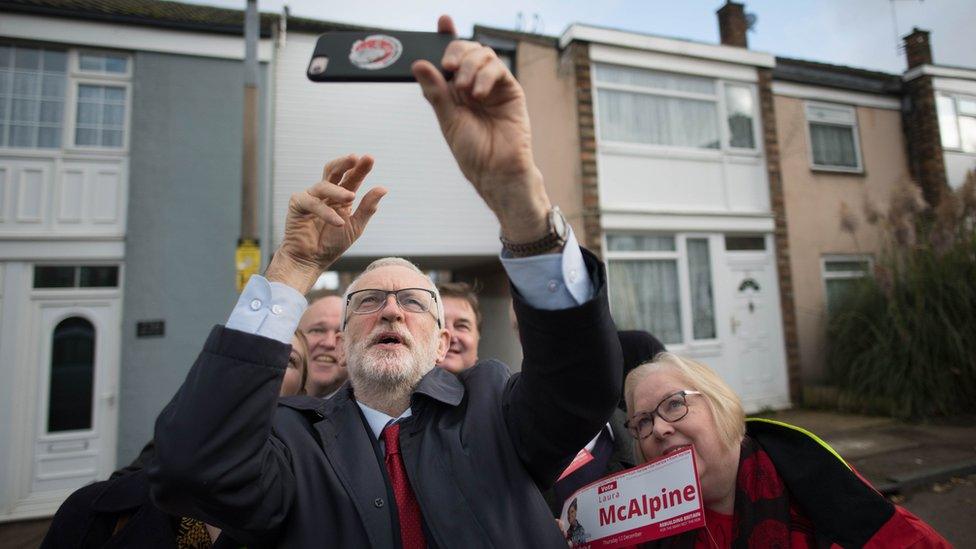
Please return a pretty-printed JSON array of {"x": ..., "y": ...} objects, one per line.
[{"x": 321, "y": 324}]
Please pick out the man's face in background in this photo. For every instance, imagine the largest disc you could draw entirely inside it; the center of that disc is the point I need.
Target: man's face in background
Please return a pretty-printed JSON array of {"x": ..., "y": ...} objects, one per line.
[{"x": 320, "y": 324}]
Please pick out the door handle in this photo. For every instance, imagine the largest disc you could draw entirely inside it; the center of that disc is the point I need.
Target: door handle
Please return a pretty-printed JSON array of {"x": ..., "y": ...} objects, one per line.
[{"x": 734, "y": 324}]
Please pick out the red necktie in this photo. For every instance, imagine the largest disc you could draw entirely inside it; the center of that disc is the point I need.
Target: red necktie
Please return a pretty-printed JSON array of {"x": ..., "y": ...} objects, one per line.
[{"x": 411, "y": 530}]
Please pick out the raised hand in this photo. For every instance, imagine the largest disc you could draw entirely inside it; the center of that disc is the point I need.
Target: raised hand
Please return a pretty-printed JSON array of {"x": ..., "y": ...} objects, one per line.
[
  {"x": 321, "y": 223},
  {"x": 483, "y": 116}
]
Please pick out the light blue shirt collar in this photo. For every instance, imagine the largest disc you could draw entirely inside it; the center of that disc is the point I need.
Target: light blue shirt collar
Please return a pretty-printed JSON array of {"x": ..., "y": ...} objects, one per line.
[{"x": 378, "y": 420}]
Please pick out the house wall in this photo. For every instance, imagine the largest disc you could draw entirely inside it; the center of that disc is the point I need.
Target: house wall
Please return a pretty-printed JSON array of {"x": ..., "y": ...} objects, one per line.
[
  {"x": 813, "y": 203},
  {"x": 550, "y": 93},
  {"x": 184, "y": 221}
]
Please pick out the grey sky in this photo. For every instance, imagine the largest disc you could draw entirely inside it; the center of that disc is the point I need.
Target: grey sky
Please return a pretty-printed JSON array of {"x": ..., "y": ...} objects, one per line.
[{"x": 859, "y": 33}]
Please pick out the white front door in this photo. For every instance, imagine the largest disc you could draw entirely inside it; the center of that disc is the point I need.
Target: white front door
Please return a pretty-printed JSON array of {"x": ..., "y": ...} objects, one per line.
[
  {"x": 69, "y": 438},
  {"x": 755, "y": 326}
]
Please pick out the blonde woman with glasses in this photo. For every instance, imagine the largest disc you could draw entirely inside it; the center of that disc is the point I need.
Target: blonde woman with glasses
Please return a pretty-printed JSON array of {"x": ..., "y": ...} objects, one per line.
[{"x": 764, "y": 483}]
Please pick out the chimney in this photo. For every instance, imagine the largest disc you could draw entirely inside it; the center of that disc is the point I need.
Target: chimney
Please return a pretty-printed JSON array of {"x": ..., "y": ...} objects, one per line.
[
  {"x": 917, "y": 48},
  {"x": 732, "y": 25}
]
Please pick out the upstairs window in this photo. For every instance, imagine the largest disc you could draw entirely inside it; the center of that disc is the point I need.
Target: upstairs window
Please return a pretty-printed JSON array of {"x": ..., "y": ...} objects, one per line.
[
  {"x": 32, "y": 88},
  {"x": 957, "y": 122},
  {"x": 55, "y": 99},
  {"x": 833, "y": 137},
  {"x": 650, "y": 107}
]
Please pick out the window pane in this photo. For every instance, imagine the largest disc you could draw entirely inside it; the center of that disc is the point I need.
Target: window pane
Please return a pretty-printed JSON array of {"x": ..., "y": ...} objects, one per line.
[
  {"x": 53, "y": 86},
  {"x": 113, "y": 115},
  {"x": 946, "y": 108},
  {"x": 833, "y": 145},
  {"x": 967, "y": 131},
  {"x": 846, "y": 266},
  {"x": 55, "y": 61},
  {"x": 115, "y": 94},
  {"x": 116, "y": 64},
  {"x": 644, "y": 296},
  {"x": 25, "y": 110},
  {"x": 638, "y": 242},
  {"x": 967, "y": 106},
  {"x": 700, "y": 283},
  {"x": 72, "y": 376},
  {"x": 90, "y": 92},
  {"x": 54, "y": 277},
  {"x": 86, "y": 137},
  {"x": 741, "y": 108},
  {"x": 88, "y": 62},
  {"x": 25, "y": 83},
  {"x": 105, "y": 276},
  {"x": 617, "y": 74},
  {"x": 111, "y": 138},
  {"x": 49, "y": 138},
  {"x": 744, "y": 243},
  {"x": 22, "y": 136},
  {"x": 838, "y": 291},
  {"x": 27, "y": 58},
  {"x": 6, "y": 55},
  {"x": 51, "y": 111},
  {"x": 88, "y": 113},
  {"x": 657, "y": 120}
]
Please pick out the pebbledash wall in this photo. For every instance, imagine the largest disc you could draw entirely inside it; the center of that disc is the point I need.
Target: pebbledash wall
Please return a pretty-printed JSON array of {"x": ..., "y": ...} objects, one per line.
[{"x": 184, "y": 221}]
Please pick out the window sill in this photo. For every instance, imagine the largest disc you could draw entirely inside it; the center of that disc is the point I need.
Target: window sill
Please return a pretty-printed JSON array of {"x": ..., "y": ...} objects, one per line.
[{"x": 838, "y": 171}]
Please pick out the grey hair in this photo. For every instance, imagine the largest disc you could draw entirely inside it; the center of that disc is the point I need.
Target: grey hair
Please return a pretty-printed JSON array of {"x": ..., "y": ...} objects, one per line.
[{"x": 393, "y": 262}]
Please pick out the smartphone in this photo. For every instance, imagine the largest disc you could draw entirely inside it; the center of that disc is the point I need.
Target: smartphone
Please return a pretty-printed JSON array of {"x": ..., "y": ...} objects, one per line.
[{"x": 374, "y": 56}]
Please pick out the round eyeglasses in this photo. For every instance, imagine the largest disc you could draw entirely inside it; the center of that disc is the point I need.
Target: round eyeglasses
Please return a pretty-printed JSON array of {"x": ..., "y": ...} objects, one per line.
[
  {"x": 672, "y": 408},
  {"x": 411, "y": 300}
]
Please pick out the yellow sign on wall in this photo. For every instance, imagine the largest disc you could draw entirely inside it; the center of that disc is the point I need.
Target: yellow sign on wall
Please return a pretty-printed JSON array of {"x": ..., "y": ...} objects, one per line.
[{"x": 247, "y": 261}]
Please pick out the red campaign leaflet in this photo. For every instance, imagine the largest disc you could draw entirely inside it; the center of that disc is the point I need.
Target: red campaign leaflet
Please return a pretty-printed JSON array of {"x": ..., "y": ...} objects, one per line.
[{"x": 657, "y": 499}]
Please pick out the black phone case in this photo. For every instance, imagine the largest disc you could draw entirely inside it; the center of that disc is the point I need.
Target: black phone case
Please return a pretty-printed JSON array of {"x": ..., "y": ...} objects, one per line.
[{"x": 375, "y": 56}]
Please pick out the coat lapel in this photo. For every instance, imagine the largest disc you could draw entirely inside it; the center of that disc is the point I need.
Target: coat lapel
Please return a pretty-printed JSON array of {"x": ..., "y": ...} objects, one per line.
[{"x": 350, "y": 451}]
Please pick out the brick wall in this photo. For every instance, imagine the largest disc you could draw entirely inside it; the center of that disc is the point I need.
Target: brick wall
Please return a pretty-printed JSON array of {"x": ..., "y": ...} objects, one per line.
[
  {"x": 587, "y": 151},
  {"x": 777, "y": 200},
  {"x": 921, "y": 122}
]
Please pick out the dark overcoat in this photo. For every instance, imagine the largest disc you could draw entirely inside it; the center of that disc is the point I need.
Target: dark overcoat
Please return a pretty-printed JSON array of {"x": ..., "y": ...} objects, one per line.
[{"x": 477, "y": 449}]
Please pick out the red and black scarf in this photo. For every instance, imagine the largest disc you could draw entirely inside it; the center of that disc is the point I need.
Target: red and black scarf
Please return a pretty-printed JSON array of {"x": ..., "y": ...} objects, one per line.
[{"x": 763, "y": 514}]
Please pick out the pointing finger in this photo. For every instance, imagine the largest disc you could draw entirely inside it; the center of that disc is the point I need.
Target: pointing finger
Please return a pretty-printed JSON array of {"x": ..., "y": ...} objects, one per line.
[
  {"x": 353, "y": 178},
  {"x": 335, "y": 168}
]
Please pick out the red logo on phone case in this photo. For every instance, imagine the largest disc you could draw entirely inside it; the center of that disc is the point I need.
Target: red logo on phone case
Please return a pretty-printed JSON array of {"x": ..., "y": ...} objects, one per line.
[{"x": 375, "y": 52}]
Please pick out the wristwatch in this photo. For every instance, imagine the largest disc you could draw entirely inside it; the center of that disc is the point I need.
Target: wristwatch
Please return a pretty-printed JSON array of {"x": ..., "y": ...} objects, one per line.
[{"x": 555, "y": 237}]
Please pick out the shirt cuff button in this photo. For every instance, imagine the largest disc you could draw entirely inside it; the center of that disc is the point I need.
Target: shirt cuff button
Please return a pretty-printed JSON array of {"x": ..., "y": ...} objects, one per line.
[
  {"x": 276, "y": 309},
  {"x": 553, "y": 286},
  {"x": 255, "y": 304}
]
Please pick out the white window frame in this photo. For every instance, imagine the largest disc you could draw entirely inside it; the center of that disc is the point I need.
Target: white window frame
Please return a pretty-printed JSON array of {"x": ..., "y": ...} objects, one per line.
[
  {"x": 718, "y": 98},
  {"x": 955, "y": 97},
  {"x": 78, "y": 77},
  {"x": 826, "y": 275},
  {"x": 680, "y": 256},
  {"x": 73, "y": 78},
  {"x": 854, "y": 129}
]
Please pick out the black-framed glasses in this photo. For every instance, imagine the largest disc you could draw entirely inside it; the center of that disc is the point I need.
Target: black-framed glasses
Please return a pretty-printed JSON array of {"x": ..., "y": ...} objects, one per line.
[
  {"x": 411, "y": 300},
  {"x": 672, "y": 408}
]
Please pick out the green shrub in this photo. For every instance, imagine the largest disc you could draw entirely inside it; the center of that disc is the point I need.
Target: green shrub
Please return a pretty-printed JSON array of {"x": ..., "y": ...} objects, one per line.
[{"x": 903, "y": 342}]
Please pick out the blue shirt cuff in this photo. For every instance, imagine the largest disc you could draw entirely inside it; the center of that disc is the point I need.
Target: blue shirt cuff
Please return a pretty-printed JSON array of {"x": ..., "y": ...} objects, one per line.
[
  {"x": 551, "y": 281},
  {"x": 268, "y": 309}
]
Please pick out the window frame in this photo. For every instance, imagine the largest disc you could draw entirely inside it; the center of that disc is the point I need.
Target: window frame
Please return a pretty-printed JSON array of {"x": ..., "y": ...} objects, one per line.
[
  {"x": 855, "y": 130},
  {"x": 826, "y": 275},
  {"x": 680, "y": 256},
  {"x": 718, "y": 98},
  {"x": 955, "y": 97},
  {"x": 74, "y": 77}
]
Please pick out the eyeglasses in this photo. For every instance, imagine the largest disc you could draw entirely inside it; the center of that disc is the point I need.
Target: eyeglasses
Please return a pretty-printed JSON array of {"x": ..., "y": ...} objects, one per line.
[
  {"x": 411, "y": 300},
  {"x": 673, "y": 408}
]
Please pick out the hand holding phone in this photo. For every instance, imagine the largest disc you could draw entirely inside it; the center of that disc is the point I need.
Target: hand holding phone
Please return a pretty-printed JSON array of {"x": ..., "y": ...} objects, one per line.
[{"x": 374, "y": 56}]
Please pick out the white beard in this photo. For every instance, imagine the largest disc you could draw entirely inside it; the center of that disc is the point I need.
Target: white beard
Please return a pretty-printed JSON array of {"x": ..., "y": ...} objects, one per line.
[{"x": 377, "y": 372}]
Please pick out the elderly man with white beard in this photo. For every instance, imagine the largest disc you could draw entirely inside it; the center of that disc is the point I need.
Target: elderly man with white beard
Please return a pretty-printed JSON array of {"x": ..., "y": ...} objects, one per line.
[{"x": 406, "y": 454}]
